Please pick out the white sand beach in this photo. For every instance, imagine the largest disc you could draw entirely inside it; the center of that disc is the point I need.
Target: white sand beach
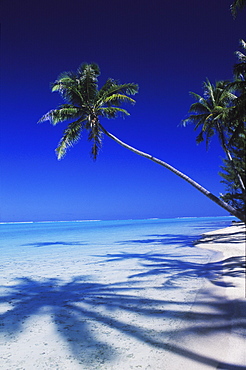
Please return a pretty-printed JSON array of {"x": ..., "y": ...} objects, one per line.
[
  {"x": 84, "y": 313},
  {"x": 222, "y": 337}
]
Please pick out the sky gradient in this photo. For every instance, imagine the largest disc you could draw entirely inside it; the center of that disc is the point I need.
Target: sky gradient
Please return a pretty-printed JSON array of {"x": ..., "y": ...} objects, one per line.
[{"x": 168, "y": 49}]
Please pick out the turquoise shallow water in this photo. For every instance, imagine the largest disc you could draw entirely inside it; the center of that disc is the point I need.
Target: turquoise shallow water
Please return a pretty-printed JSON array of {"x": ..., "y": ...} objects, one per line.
[
  {"x": 85, "y": 235},
  {"x": 42, "y": 250}
]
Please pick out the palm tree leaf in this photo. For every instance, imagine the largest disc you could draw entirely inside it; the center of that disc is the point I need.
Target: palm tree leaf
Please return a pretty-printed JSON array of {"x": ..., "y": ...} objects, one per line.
[
  {"x": 209, "y": 134},
  {"x": 68, "y": 86},
  {"x": 112, "y": 112},
  {"x": 239, "y": 69},
  {"x": 193, "y": 118},
  {"x": 117, "y": 99},
  {"x": 243, "y": 44},
  {"x": 200, "y": 99},
  {"x": 93, "y": 67},
  {"x": 62, "y": 113},
  {"x": 115, "y": 88},
  {"x": 196, "y": 96},
  {"x": 87, "y": 81},
  {"x": 200, "y": 138},
  {"x": 198, "y": 108},
  {"x": 95, "y": 135},
  {"x": 238, "y": 130},
  {"x": 209, "y": 91},
  {"x": 70, "y": 137},
  {"x": 208, "y": 122},
  {"x": 108, "y": 85},
  {"x": 129, "y": 88},
  {"x": 199, "y": 121},
  {"x": 241, "y": 56},
  {"x": 237, "y": 4}
]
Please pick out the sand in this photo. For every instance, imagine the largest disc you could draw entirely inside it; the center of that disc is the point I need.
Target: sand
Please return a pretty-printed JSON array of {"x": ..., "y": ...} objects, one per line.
[
  {"x": 93, "y": 316},
  {"x": 220, "y": 339}
]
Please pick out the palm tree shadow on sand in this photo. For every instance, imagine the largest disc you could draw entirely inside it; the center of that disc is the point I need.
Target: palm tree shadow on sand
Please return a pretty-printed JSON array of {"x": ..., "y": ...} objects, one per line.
[
  {"x": 173, "y": 267},
  {"x": 80, "y": 308}
]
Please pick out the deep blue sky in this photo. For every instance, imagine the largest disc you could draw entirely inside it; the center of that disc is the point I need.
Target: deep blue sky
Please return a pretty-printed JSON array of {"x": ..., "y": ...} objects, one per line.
[{"x": 169, "y": 48}]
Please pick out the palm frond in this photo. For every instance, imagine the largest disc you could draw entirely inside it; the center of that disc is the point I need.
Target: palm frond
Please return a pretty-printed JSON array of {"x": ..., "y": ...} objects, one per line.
[
  {"x": 93, "y": 67},
  {"x": 208, "y": 122},
  {"x": 239, "y": 130},
  {"x": 237, "y": 5},
  {"x": 239, "y": 86},
  {"x": 67, "y": 86},
  {"x": 199, "y": 120},
  {"x": 95, "y": 135},
  {"x": 200, "y": 138},
  {"x": 63, "y": 113},
  {"x": 200, "y": 99},
  {"x": 198, "y": 108},
  {"x": 63, "y": 80},
  {"x": 239, "y": 69},
  {"x": 196, "y": 96},
  {"x": 115, "y": 88},
  {"x": 129, "y": 89},
  {"x": 117, "y": 99},
  {"x": 241, "y": 56},
  {"x": 209, "y": 134},
  {"x": 108, "y": 85},
  {"x": 243, "y": 44},
  {"x": 209, "y": 91},
  {"x": 196, "y": 119},
  {"x": 112, "y": 112},
  {"x": 70, "y": 137},
  {"x": 87, "y": 82}
]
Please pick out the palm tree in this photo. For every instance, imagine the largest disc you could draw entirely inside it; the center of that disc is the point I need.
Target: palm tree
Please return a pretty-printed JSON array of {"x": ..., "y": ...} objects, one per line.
[
  {"x": 238, "y": 112},
  {"x": 237, "y": 4},
  {"x": 85, "y": 104},
  {"x": 234, "y": 195},
  {"x": 211, "y": 113}
]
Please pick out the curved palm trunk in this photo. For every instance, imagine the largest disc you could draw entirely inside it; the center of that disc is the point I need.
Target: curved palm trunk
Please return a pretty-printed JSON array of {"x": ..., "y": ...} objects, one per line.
[{"x": 204, "y": 191}]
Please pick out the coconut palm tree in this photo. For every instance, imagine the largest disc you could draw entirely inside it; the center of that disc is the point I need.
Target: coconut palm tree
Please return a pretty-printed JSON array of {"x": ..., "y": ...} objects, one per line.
[
  {"x": 85, "y": 104},
  {"x": 238, "y": 112},
  {"x": 211, "y": 113},
  {"x": 234, "y": 195}
]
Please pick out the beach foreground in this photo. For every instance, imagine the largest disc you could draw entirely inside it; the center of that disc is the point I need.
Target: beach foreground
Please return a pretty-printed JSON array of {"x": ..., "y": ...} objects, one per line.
[{"x": 128, "y": 310}]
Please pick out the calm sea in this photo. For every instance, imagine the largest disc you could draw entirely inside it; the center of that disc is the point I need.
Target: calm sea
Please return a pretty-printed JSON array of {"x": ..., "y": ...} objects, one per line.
[
  {"x": 85, "y": 236},
  {"x": 65, "y": 250}
]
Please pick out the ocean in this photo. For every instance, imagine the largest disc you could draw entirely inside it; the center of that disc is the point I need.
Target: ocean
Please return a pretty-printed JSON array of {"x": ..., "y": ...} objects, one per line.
[
  {"x": 19, "y": 237},
  {"x": 25, "y": 247}
]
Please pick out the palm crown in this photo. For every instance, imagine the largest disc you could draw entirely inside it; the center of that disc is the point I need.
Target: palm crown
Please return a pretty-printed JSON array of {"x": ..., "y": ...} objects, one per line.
[
  {"x": 85, "y": 103},
  {"x": 210, "y": 113}
]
